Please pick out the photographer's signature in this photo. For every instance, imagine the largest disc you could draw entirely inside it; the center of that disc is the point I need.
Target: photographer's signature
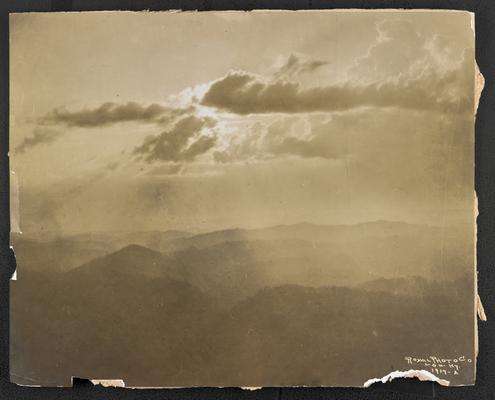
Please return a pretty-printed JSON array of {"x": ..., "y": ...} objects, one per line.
[{"x": 439, "y": 365}]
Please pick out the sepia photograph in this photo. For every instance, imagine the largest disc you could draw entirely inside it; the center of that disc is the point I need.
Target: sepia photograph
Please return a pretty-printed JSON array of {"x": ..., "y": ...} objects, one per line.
[{"x": 242, "y": 199}]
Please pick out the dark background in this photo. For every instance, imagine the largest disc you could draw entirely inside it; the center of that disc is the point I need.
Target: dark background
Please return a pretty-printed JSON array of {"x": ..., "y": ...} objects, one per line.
[{"x": 485, "y": 187}]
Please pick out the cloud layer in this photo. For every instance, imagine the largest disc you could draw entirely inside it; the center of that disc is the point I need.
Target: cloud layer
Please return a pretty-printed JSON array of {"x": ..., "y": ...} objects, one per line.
[
  {"x": 404, "y": 70},
  {"x": 102, "y": 116},
  {"x": 243, "y": 93},
  {"x": 39, "y": 136}
]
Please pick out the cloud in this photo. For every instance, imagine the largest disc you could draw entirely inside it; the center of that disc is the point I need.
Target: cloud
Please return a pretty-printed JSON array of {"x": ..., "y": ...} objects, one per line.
[
  {"x": 288, "y": 136},
  {"x": 401, "y": 49},
  {"x": 325, "y": 140},
  {"x": 296, "y": 65},
  {"x": 39, "y": 136},
  {"x": 244, "y": 93},
  {"x": 363, "y": 134},
  {"x": 112, "y": 113},
  {"x": 104, "y": 115},
  {"x": 112, "y": 166},
  {"x": 242, "y": 147},
  {"x": 398, "y": 46},
  {"x": 188, "y": 138}
]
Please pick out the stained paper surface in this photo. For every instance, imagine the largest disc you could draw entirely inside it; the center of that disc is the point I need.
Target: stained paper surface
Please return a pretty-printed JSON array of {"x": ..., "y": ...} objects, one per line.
[{"x": 243, "y": 198}]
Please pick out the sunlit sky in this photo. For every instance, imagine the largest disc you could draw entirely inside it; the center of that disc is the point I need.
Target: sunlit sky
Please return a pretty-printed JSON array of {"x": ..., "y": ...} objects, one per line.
[{"x": 203, "y": 121}]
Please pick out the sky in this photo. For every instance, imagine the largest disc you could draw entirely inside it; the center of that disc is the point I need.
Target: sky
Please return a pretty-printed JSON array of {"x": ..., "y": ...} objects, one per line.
[{"x": 205, "y": 121}]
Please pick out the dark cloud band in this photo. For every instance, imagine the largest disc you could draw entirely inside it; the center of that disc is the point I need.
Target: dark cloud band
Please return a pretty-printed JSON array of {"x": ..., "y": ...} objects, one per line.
[
  {"x": 244, "y": 93},
  {"x": 111, "y": 113}
]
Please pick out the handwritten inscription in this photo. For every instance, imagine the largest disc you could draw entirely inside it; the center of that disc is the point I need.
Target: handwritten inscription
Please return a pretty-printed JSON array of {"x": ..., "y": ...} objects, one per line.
[{"x": 439, "y": 365}]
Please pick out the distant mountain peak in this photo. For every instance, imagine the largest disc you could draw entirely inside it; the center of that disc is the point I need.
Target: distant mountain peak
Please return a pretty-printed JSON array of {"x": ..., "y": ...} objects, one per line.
[
  {"x": 131, "y": 259},
  {"x": 136, "y": 248}
]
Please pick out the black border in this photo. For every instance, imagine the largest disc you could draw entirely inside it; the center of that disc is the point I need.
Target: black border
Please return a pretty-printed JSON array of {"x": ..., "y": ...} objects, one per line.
[{"x": 484, "y": 181}]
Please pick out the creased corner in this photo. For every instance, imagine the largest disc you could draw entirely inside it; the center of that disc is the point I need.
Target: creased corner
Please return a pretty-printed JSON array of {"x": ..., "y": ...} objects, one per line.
[{"x": 420, "y": 374}]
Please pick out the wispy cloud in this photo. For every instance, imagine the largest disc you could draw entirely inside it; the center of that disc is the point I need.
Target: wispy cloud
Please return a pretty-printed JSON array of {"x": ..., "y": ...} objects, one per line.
[
  {"x": 49, "y": 125},
  {"x": 39, "y": 136},
  {"x": 112, "y": 113},
  {"x": 296, "y": 65}
]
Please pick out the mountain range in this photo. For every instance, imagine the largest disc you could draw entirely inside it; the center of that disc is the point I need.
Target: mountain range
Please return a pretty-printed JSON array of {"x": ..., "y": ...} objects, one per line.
[
  {"x": 301, "y": 304},
  {"x": 380, "y": 248}
]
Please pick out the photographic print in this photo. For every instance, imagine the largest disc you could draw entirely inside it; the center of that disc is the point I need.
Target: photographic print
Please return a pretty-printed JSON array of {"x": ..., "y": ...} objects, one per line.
[{"x": 267, "y": 198}]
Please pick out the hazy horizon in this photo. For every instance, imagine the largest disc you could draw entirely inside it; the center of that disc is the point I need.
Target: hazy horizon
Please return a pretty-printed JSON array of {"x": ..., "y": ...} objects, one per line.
[{"x": 230, "y": 228}]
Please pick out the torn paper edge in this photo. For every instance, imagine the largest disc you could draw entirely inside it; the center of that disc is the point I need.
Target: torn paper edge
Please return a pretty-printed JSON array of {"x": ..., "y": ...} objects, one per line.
[
  {"x": 119, "y": 383},
  {"x": 15, "y": 222},
  {"x": 479, "y": 79},
  {"x": 480, "y": 309},
  {"x": 475, "y": 280},
  {"x": 479, "y": 84},
  {"x": 420, "y": 374},
  {"x": 15, "y": 219},
  {"x": 479, "y": 312},
  {"x": 254, "y": 10},
  {"x": 107, "y": 382}
]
